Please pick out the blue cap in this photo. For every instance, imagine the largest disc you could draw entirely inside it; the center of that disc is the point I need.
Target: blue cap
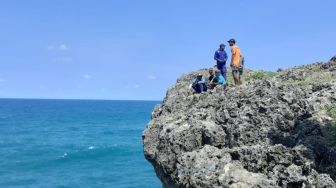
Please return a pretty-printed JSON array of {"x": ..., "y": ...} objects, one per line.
[{"x": 232, "y": 40}]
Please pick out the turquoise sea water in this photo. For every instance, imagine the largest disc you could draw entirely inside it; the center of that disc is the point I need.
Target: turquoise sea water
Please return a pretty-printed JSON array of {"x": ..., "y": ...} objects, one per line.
[{"x": 74, "y": 143}]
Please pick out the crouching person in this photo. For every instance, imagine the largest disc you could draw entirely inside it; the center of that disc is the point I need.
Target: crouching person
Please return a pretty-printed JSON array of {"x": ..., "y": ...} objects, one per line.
[
  {"x": 211, "y": 80},
  {"x": 218, "y": 79},
  {"x": 199, "y": 84}
]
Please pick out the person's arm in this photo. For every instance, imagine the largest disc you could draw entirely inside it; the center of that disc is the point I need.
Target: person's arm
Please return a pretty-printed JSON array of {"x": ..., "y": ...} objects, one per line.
[
  {"x": 233, "y": 51},
  {"x": 215, "y": 80},
  {"x": 242, "y": 59},
  {"x": 212, "y": 80},
  {"x": 225, "y": 56},
  {"x": 216, "y": 56},
  {"x": 194, "y": 81},
  {"x": 202, "y": 81}
]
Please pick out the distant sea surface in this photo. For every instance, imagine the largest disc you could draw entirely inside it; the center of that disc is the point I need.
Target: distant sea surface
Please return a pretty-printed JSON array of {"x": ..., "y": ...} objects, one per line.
[{"x": 74, "y": 144}]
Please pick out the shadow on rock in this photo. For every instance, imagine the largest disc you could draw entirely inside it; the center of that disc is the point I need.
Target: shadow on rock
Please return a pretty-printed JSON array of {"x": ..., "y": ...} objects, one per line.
[{"x": 309, "y": 140}]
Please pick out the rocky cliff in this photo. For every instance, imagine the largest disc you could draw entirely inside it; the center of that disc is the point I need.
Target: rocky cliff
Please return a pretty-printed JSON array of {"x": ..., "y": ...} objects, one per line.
[{"x": 276, "y": 130}]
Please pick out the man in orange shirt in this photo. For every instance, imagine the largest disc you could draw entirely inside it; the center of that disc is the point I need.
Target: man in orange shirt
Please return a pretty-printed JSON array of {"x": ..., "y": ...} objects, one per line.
[{"x": 235, "y": 61}]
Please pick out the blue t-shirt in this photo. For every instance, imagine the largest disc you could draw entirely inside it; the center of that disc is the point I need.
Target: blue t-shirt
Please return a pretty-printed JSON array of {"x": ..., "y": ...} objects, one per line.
[
  {"x": 220, "y": 55},
  {"x": 220, "y": 79}
]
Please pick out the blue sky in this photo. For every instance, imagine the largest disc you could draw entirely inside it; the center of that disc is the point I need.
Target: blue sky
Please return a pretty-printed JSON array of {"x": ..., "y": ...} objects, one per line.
[{"x": 130, "y": 49}]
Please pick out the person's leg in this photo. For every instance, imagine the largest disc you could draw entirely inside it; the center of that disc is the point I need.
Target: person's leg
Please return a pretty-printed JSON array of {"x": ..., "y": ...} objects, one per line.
[
  {"x": 223, "y": 71},
  {"x": 239, "y": 79},
  {"x": 199, "y": 88},
  {"x": 240, "y": 75},
  {"x": 204, "y": 87},
  {"x": 195, "y": 87},
  {"x": 211, "y": 86},
  {"x": 219, "y": 66},
  {"x": 235, "y": 77}
]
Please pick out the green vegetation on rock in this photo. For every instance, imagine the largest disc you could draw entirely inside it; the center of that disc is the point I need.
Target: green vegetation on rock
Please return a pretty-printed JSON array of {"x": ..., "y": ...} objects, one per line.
[
  {"x": 332, "y": 112},
  {"x": 263, "y": 74}
]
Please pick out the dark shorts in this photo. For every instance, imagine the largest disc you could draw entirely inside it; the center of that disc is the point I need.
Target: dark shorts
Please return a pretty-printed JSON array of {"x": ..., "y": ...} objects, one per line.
[{"x": 239, "y": 70}]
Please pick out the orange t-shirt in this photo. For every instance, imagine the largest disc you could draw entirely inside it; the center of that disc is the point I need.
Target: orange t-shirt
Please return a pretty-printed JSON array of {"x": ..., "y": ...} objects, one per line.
[{"x": 235, "y": 59}]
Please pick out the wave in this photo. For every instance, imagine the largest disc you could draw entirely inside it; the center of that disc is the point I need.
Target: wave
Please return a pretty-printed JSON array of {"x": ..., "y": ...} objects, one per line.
[{"x": 94, "y": 154}]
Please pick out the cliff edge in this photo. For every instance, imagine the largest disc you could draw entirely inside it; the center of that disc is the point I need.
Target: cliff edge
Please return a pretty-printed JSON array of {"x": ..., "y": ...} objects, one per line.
[{"x": 276, "y": 130}]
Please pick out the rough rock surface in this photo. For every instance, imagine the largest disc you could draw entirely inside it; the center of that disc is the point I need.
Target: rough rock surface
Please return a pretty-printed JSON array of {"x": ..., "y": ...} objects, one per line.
[{"x": 266, "y": 133}]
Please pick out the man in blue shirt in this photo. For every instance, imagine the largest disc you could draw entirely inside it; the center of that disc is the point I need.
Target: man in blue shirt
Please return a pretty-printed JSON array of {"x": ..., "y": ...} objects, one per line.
[{"x": 221, "y": 57}]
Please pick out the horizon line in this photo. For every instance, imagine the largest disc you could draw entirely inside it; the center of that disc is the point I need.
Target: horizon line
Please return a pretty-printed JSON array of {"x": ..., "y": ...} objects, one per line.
[{"x": 19, "y": 98}]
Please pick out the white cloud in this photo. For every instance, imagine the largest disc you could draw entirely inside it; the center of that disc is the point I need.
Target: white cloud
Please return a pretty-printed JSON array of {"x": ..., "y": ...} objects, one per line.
[
  {"x": 151, "y": 77},
  {"x": 60, "y": 47},
  {"x": 63, "y": 47},
  {"x": 87, "y": 76},
  {"x": 136, "y": 86}
]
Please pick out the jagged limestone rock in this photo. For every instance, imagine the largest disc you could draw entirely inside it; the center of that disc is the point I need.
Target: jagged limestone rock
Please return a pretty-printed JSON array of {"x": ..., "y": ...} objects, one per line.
[{"x": 272, "y": 132}]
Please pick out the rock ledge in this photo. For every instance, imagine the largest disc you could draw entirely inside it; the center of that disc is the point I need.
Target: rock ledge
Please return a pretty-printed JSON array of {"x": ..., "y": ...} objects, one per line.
[{"x": 269, "y": 132}]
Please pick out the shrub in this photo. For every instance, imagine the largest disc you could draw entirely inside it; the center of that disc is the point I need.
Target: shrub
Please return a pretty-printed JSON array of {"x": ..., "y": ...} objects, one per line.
[
  {"x": 271, "y": 74},
  {"x": 258, "y": 75},
  {"x": 263, "y": 74}
]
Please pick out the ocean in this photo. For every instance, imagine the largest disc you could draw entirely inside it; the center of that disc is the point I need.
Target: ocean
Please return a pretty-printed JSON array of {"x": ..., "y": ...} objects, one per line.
[{"x": 74, "y": 144}]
